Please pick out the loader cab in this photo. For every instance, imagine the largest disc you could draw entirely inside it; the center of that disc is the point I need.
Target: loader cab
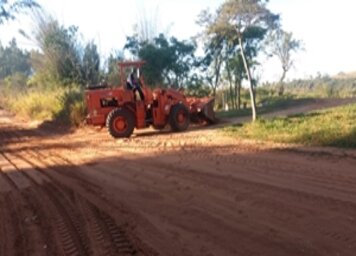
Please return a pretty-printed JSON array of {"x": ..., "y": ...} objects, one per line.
[
  {"x": 128, "y": 68},
  {"x": 132, "y": 79}
]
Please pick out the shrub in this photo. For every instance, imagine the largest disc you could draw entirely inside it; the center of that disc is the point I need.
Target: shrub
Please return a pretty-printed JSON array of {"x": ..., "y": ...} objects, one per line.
[{"x": 72, "y": 106}]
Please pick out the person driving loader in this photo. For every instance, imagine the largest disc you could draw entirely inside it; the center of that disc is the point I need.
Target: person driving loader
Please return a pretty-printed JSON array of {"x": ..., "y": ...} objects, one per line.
[{"x": 133, "y": 84}]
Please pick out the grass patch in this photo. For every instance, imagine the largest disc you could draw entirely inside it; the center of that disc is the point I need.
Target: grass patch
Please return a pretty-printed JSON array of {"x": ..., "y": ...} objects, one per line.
[
  {"x": 267, "y": 106},
  {"x": 332, "y": 127}
]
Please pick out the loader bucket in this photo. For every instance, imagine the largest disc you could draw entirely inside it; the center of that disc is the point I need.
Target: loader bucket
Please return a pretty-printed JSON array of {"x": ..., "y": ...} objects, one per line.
[{"x": 202, "y": 110}]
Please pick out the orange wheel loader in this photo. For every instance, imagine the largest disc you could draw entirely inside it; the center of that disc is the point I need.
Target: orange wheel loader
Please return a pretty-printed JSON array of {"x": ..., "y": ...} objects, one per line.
[{"x": 131, "y": 106}]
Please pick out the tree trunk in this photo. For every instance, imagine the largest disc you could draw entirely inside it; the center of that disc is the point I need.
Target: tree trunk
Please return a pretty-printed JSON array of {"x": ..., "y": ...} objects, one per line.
[
  {"x": 169, "y": 81},
  {"x": 238, "y": 93},
  {"x": 231, "y": 96},
  {"x": 217, "y": 73},
  {"x": 249, "y": 77},
  {"x": 281, "y": 83},
  {"x": 211, "y": 83},
  {"x": 216, "y": 85},
  {"x": 214, "y": 91},
  {"x": 235, "y": 96}
]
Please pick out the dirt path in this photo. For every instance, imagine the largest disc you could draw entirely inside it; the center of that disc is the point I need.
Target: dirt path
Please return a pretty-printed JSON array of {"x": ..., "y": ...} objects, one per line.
[{"x": 194, "y": 193}]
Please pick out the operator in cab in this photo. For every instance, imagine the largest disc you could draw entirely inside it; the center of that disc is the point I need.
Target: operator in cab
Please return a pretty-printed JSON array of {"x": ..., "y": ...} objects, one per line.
[{"x": 133, "y": 84}]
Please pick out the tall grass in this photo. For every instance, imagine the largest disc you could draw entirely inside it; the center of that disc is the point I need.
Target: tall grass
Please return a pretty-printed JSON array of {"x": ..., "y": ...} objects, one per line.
[
  {"x": 34, "y": 104},
  {"x": 65, "y": 105}
]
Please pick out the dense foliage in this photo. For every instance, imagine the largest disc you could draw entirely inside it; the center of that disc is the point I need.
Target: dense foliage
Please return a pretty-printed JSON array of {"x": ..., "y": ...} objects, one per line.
[{"x": 169, "y": 62}]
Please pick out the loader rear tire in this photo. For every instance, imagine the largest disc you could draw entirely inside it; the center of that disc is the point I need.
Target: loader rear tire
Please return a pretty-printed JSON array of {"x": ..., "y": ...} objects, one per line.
[
  {"x": 120, "y": 123},
  {"x": 179, "y": 119}
]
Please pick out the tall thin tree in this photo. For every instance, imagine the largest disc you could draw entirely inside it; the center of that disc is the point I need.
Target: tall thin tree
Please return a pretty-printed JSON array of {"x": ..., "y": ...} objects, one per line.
[{"x": 282, "y": 44}]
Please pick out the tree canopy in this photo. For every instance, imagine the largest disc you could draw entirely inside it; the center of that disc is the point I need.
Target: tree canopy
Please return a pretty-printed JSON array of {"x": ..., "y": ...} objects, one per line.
[
  {"x": 14, "y": 60},
  {"x": 9, "y": 9},
  {"x": 91, "y": 64},
  {"x": 169, "y": 61}
]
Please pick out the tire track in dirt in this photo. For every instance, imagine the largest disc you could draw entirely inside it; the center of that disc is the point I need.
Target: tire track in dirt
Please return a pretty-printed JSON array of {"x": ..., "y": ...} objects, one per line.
[
  {"x": 51, "y": 208},
  {"x": 76, "y": 174},
  {"x": 121, "y": 244},
  {"x": 133, "y": 218},
  {"x": 98, "y": 223},
  {"x": 25, "y": 236},
  {"x": 3, "y": 230},
  {"x": 10, "y": 226}
]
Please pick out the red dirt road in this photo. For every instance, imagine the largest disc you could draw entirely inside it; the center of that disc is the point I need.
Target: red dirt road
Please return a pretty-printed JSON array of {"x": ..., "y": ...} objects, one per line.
[{"x": 194, "y": 193}]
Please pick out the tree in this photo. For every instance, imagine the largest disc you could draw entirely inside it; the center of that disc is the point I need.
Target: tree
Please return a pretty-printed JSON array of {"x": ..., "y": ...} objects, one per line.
[
  {"x": 14, "y": 60},
  {"x": 91, "y": 64},
  {"x": 183, "y": 61},
  {"x": 282, "y": 44},
  {"x": 250, "y": 20},
  {"x": 169, "y": 61},
  {"x": 113, "y": 73},
  {"x": 8, "y": 10},
  {"x": 60, "y": 50},
  {"x": 156, "y": 54},
  {"x": 195, "y": 87},
  {"x": 235, "y": 64},
  {"x": 213, "y": 61}
]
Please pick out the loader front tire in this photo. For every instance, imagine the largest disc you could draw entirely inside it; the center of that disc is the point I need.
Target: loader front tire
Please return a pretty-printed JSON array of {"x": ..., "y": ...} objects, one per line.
[
  {"x": 120, "y": 123},
  {"x": 179, "y": 119}
]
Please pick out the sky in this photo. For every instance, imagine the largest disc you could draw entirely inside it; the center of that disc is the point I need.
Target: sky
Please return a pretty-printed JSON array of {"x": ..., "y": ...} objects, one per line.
[{"x": 326, "y": 28}]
